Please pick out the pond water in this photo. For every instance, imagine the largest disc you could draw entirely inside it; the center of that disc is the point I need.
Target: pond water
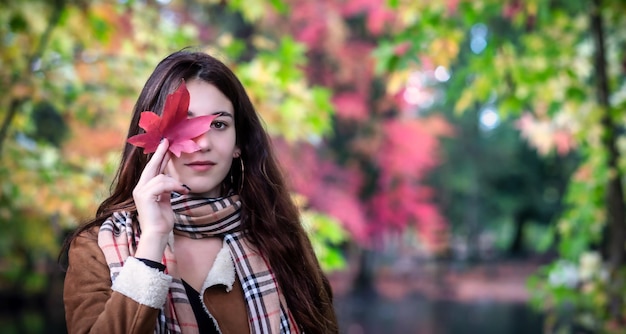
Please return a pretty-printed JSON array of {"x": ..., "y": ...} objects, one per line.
[
  {"x": 358, "y": 313},
  {"x": 368, "y": 313}
]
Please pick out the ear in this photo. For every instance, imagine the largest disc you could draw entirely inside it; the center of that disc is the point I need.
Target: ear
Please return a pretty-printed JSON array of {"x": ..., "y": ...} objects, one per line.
[{"x": 237, "y": 152}]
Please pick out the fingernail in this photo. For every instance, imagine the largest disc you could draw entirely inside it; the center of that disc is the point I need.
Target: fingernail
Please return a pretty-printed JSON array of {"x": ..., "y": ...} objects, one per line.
[
  {"x": 184, "y": 185},
  {"x": 175, "y": 194}
]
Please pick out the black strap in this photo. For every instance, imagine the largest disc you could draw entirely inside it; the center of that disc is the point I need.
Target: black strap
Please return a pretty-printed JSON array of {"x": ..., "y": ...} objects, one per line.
[{"x": 152, "y": 264}]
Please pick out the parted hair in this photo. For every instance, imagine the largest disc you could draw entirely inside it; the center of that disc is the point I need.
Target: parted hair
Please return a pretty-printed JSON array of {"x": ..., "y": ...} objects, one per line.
[{"x": 269, "y": 216}]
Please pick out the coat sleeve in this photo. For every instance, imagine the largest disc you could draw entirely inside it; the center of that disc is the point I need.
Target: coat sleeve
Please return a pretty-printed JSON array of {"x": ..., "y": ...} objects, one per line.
[{"x": 94, "y": 305}]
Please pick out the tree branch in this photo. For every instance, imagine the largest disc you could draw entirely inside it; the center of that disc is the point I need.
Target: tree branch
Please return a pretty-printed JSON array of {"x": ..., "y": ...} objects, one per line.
[
  {"x": 615, "y": 193},
  {"x": 16, "y": 103}
]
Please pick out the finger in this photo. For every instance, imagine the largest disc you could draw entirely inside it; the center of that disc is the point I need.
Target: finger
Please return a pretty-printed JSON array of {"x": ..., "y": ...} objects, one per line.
[
  {"x": 152, "y": 167},
  {"x": 158, "y": 156},
  {"x": 164, "y": 162},
  {"x": 163, "y": 186}
]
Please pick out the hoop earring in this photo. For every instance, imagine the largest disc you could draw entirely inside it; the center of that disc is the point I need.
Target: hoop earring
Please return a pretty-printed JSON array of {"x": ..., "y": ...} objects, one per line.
[{"x": 242, "y": 174}]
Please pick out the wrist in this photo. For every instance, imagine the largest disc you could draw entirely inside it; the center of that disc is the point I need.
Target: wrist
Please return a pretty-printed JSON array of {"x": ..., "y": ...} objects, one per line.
[{"x": 151, "y": 246}]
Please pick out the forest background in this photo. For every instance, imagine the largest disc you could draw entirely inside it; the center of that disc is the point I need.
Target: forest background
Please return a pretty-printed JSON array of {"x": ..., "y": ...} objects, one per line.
[{"x": 449, "y": 131}]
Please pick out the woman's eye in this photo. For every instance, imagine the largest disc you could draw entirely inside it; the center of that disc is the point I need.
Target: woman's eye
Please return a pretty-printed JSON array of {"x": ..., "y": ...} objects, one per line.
[{"x": 219, "y": 125}]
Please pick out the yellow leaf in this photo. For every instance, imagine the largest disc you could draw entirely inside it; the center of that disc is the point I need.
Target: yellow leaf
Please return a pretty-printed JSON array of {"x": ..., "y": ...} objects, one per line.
[
  {"x": 466, "y": 100},
  {"x": 397, "y": 81}
]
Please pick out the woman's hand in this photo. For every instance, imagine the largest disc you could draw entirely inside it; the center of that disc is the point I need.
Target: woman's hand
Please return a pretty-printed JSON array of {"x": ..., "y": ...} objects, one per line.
[{"x": 152, "y": 199}]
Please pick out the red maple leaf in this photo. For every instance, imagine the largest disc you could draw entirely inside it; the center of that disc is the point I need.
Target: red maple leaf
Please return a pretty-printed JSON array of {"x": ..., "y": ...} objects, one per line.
[{"x": 173, "y": 125}]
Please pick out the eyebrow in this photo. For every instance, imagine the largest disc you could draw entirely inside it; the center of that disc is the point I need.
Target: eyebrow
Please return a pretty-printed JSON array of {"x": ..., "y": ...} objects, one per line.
[{"x": 218, "y": 113}]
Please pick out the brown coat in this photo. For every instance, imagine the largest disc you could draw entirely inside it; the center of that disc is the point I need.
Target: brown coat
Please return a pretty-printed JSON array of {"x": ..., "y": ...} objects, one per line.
[{"x": 91, "y": 306}]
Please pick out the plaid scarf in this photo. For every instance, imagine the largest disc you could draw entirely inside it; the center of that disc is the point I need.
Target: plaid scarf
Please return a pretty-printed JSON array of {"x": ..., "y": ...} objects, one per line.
[{"x": 196, "y": 218}]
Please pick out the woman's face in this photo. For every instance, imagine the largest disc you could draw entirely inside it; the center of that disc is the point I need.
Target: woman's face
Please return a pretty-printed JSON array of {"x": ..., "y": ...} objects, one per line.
[{"x": 203, "y": 171}]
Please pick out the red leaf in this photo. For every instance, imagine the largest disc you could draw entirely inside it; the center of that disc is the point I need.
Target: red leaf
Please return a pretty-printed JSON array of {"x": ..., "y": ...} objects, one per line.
[
  {"x": 402, "y": 48},
  {"x": 173, "y": 125},
  {"x": 176, "y": 107},
  {"x": 378, "y": 17},
  {"x": 452, "y": 7},
  {"x": 351, "y": 106},
  {"x": 149, "y": 121},
  {"x": 410, "y": 149}
]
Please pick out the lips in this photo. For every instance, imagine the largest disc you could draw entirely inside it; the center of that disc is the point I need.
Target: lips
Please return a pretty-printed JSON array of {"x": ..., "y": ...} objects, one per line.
[{"x": 200, "y": 166}]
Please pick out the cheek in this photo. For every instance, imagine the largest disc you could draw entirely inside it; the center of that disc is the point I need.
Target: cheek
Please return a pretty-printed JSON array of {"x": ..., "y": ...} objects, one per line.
[
  {"x": 233, "y": 146},
  {"x": 170, "y": 169}
]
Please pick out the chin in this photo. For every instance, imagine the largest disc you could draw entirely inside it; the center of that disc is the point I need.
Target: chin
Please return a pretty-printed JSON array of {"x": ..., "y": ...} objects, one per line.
[{"x": 206, "y": 192}]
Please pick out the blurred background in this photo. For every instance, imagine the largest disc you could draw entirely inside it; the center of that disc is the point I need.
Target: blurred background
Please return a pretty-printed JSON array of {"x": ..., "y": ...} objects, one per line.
[{"x": 459, "y": 163}]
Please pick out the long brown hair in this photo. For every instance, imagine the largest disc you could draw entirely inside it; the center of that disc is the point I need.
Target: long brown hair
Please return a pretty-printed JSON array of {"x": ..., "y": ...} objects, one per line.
[{"x": 269, "y": 215}]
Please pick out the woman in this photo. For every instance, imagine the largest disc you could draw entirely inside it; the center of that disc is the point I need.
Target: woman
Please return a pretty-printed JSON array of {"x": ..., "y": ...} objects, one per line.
[{"x": 205, "y": 240}]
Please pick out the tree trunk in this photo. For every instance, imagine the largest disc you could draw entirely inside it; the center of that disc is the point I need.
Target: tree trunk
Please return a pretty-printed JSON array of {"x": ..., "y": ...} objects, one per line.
[
  {"x": 616, "y": 236},
  {"x": 516, "y": 248},
  {"x": 364, "y": 281}
]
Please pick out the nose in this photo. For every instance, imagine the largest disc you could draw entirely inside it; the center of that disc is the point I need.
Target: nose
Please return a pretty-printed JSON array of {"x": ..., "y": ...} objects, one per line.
[{"x": 204, "y": 141}]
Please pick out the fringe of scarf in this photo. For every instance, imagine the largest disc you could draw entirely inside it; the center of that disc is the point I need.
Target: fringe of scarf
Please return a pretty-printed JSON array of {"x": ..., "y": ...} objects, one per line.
[{"x": 197, "y": 217}]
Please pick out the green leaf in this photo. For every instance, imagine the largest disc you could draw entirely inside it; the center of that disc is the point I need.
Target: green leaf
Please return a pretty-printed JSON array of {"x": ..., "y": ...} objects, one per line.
[
  {"x": 17, "y": 23},
  {"x": 281, "y": 6},
  {"x": 385, "y": 55}
]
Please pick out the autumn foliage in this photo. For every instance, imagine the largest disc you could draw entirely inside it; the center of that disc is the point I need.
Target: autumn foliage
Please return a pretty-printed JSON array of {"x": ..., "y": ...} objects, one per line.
[{"x": 370, "y": 172}]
